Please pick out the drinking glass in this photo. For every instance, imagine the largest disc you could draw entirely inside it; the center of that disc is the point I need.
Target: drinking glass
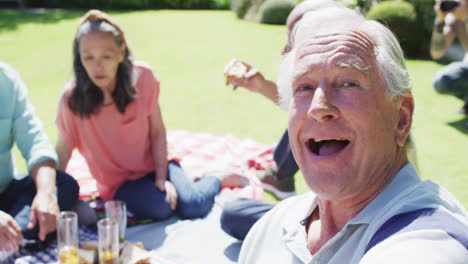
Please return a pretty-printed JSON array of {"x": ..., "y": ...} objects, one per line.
[
  {"x": 108, "y": 241},
  {"x": 117, "y": 211},
  {"x": 67, "y": 237}
]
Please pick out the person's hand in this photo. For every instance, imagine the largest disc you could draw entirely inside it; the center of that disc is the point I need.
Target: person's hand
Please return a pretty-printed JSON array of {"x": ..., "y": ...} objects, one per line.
[
  {"x": 249, "y": 80},
  {"x": 44, "y": 211},
  {"x": 10, "y": 233},
  {"x": 171, "y": 194},
  {"x": 252, "y": 82}
]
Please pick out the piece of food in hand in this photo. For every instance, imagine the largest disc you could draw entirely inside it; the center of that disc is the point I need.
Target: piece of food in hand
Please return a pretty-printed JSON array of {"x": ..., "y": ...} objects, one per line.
[
  {"x": 134, "y": 253},
  {"x": 235, "y": 69}
]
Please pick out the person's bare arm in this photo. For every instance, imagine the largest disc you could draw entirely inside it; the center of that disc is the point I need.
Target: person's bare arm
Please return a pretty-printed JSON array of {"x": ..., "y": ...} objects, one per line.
[
  {"x": 254, "y": 81},
  {"x": 44, "y": 208},
  {"x": 159, "y": 148}
]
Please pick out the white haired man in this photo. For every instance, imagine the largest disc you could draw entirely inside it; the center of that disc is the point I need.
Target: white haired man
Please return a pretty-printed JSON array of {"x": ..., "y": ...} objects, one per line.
[{"x": 350, "y": 112}]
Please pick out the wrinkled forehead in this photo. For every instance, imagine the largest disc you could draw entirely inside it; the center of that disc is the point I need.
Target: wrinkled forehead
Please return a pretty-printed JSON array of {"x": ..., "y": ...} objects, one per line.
[{"x": 339, "y": 45}]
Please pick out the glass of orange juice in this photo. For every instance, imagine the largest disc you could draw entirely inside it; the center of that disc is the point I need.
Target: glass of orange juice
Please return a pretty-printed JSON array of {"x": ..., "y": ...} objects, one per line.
[
  {"x": 108, "y": 241},
  {"x": 67, "y": 237}
]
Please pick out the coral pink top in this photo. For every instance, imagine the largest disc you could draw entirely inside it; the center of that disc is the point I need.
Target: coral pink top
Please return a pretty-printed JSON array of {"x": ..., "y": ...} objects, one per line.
[{"x": 117, "y": 147}]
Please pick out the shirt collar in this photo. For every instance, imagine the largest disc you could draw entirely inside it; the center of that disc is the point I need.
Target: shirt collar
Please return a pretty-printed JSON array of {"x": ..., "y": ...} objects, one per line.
[
  {"x": 405, "y": 178},
  {"x": 292, "y": 221}
]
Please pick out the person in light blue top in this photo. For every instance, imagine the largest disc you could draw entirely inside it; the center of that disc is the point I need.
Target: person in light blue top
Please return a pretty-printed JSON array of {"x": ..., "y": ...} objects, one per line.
[
  {"x": 350, "y": 109},
  {"x": 28, "y": 205}
]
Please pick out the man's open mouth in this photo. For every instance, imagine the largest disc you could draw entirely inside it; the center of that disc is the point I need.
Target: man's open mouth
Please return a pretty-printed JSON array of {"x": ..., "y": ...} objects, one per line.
[{"x": 324, "y": 147}]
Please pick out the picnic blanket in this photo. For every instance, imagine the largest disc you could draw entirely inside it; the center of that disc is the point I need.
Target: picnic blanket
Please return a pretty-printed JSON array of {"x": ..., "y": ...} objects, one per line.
[
  {"x": 194, "y": 241},
  {"x": 173, "y": 241},
  {"x": 176, "y": 241},
  {"x": 48, "y": 254},
  {"x": 199, "y": 153}
]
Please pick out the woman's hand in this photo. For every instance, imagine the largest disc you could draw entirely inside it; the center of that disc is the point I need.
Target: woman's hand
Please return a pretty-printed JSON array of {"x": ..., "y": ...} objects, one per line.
[{"x": 171, "y": 194}]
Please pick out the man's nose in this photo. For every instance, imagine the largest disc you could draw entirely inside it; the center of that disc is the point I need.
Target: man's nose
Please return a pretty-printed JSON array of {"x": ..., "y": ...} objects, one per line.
[{"x": 321, "y": 108}]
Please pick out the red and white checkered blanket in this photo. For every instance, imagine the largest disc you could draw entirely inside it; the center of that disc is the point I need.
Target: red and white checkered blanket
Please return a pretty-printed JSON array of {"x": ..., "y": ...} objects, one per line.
[{"x": 199, "y": 153}]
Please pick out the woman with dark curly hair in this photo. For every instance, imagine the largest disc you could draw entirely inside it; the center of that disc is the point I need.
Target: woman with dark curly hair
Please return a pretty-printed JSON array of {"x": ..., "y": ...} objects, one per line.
[{"x": 109, "y": 111}]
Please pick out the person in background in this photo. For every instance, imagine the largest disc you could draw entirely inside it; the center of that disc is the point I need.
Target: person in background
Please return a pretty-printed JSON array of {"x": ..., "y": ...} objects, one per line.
[
  {"x": 30, "y": 204},
  {"x": 350, "y": 112},
  {"x": 449, "y": 25},
  {"x": 110, "y": 112},
  {"x": 280, "y": 180},
  {"x": 240, "y": 215}
]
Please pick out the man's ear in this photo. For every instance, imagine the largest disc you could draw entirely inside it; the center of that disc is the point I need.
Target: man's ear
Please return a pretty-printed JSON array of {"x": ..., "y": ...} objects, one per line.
[{"x": 405, "y": 109}]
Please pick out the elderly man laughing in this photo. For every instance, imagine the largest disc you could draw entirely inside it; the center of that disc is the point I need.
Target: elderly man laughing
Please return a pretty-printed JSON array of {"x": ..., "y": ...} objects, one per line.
[{"x": 350, "y": 113}]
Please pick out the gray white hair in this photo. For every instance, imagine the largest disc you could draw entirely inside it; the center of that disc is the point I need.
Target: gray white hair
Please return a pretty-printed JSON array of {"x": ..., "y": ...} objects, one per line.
[
  {"x": 98, "y": 26},
  {"x": 387, "y": 51}
]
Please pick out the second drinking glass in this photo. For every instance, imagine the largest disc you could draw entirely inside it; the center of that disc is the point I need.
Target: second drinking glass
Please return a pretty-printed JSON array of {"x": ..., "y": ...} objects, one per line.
[
  {"x": 117, "y": 211},
  {"x": 108, "y": 241}
]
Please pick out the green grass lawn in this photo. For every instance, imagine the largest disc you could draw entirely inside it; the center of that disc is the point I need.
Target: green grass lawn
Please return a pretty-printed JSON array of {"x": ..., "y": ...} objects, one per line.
[{"x": 188, "y": 50}]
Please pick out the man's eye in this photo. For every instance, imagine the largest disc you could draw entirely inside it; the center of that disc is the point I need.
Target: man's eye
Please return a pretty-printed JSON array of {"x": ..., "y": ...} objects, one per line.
[
  {"x": 304, "y": 88},
  {"x": 350, "y": 84}
]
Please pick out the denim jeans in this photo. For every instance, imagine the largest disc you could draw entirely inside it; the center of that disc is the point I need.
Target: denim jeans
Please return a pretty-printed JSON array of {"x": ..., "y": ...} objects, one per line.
[
  {"x": 453, "y": 79},
  {"x": 17, "y": 198},
  {"x": 145, "y": 201},
  {"x": 241, "y": 214},
  {"x": 284, "y": 159}
]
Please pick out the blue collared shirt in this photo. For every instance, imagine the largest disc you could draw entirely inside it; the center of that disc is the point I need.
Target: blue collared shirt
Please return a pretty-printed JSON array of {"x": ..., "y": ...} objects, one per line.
[
  {"x": 280, "y": 236},
  {"x": 18, "y": 123}
]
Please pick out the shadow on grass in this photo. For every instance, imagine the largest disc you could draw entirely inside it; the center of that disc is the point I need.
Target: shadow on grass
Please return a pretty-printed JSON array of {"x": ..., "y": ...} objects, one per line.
[
  {"x": 461, "y": 125},
  {"x": 11, "y": 19}
]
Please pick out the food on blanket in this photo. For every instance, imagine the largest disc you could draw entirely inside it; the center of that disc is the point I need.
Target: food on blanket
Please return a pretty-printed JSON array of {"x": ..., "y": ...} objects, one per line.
[
  {"x": 68, "y": 255},
  {"x": 90, "y": 245},
  {"x": 134, "y": 253},
  {"x": 138, "y": 244},
  {"x": 86, "y": 256},
  {"x": 235, "y": 69},
  {"x": 108, "y": 257}
]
